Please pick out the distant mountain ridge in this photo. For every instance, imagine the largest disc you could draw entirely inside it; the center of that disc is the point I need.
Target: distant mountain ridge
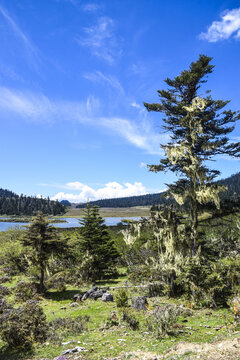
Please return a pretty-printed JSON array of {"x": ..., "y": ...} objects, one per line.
[
  {"x": 232, "y": 182},
  {"x": 13, "y": 204}
]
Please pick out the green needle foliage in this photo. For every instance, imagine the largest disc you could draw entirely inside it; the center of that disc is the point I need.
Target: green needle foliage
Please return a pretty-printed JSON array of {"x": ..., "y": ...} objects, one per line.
[
  {"x": 96, "y": 247},
  {"x": 198, "y": 129},
  {"x": 44, "y": 242}
]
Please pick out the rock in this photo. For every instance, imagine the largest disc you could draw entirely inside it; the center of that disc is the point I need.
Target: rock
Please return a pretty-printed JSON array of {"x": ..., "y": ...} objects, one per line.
[
  {"x": 74, "y": 304},
  {"x": 89, "y": 292},
  {"x": 140, "y": 303},
  {"x": 68, "y": 342},
  {"x": 113, "y": 316},
  {"x": 107, "y": 297},
  {"x": 77, "y": 297},
  {"x": 63, "y": 308},
  {"x": 75, "y": 350},
  {"x": 97, "y": 294}
]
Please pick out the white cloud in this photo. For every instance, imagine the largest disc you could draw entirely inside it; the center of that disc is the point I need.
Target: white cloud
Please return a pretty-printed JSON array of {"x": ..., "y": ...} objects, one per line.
[
  {"x": 135, "y": 105},
  {"x": 36, "y": 107},
  {"x": 224, "y": 29},
  {"x": 30, "y": 48},
  {"x": 100, "y": 39},
  {"x": 98, "y": 76},
  {"x": 143, "y": 165},
  {"x": 110, "y": 190},
  {"x": 91, "y": 7}
]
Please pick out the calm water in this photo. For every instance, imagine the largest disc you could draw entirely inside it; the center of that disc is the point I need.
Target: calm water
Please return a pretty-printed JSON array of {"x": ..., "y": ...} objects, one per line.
[{"x": 71, "y": 222}]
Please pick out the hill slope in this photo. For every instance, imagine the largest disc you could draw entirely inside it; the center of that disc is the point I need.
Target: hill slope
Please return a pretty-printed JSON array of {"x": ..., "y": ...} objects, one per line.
[
  {"x": 233, "y": 184},
  {"x": 13, "y": 204}
]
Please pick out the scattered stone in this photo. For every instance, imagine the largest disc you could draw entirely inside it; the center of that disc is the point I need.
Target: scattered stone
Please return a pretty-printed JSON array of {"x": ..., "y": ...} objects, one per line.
[
  {"x": 107, "y": 296},
  {"x": 140, "y": 303},
  {"x": 63, "y": 308},
  {"x": 74, "y": 304},
  {"x": 68, "y": 342},
  {"x": 75, "y": 350},
  {"x": 207, "y": 326}
]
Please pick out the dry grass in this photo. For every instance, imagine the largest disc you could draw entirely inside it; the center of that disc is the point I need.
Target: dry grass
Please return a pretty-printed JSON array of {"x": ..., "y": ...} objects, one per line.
[{"x": 113, "y": 212}]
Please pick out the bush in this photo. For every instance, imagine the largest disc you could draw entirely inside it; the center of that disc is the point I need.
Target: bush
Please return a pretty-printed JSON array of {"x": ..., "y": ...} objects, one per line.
[
  {"x": 25, "y": 291},
  {"x": 58, "y": 282},
  {"x": 4, "y": 290},
  {"x": 211, "y": 284},
  {"x": 121, "y": 298},
  {"x": 67, "y": 326},
  {"x": 160, "y": 323},
  {"x": 23, "y": 326},
  {"x": 156, "y": 289},
  {"x": 130, "y": 319}
]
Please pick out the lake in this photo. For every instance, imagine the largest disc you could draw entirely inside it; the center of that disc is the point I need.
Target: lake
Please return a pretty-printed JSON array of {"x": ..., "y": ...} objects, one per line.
[{"x": 70, "y": 222}]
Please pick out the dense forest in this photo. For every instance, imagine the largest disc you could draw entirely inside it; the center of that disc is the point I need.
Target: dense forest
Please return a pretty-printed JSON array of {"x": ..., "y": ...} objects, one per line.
[
  {"x": 13, "y": 204},
  {"x": 232, "y": 183}
]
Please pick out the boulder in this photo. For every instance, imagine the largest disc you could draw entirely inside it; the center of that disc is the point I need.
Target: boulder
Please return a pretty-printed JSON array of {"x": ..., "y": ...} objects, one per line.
[
  {"x": 97, "y": 294},
  {"x": 140, "y": 303},
  {"x": 107, "y": 296},
  {"x": 77, "y": 297},
  {"x": 89, "y": 292}
]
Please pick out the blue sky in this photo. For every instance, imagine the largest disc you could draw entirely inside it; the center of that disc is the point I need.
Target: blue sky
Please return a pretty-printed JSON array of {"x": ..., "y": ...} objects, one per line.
[{"x": 73, "y": 78}]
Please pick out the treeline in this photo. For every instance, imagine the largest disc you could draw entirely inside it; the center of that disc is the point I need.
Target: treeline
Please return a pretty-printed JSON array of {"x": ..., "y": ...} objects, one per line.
[
  {"x": 233, "y": 184},
  {"x": 13, "y": 204}
]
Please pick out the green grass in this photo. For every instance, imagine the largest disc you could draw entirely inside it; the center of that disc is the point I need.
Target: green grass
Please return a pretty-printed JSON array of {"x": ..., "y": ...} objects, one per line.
[{"x": 102, "y": 342}]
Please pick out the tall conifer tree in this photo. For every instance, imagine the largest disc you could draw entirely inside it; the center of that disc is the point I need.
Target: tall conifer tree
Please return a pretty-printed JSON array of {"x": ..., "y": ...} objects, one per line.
[{"x": 198, "y": 129}]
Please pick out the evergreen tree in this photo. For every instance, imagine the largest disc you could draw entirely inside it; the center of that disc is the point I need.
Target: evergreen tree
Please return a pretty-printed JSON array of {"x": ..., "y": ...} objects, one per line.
[
  {"x": 96, "y": 244},
  {"x": 198, "y": 130},
  {"x": 44, "y": 242}
]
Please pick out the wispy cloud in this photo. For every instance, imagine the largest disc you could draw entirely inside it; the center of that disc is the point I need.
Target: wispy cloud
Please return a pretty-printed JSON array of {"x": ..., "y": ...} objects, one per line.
[
  {"x": 139, "y": 134},
  {"x": 91, "y": 7},
  {"x": 30, "y": 48},
  {"x": 101, "y": 40},
  {"x": 73, "y": 2},
  {"x": 143, "y": 165},
  {"x": 99, "y": 77},
  {"x": 8, "y": 72},
  {"x": 220, "y": 30},
  {"x": 37, "y": 107},
  {"x": 110, "y": 190}
]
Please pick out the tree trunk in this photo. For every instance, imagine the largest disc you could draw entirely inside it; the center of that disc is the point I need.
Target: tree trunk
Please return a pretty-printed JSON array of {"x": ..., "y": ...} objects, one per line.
[
  {"x": 194, "y": 219},
  {"x": 42, "y": 288}
]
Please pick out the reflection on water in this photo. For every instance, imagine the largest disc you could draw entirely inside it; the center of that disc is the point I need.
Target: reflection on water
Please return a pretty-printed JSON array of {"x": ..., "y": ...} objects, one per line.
[{"x": 70, "y": 222}]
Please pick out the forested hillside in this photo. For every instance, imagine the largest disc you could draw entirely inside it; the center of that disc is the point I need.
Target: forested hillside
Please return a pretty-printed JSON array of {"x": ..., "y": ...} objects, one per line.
[
  {"x": 233, "y": 184},
  {"x": 13, "y": 204}
]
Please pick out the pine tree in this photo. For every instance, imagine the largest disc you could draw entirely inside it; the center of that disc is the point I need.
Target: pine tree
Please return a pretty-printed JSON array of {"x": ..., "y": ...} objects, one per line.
[
  {"x": 198, "y": 130},
  {"x": 95, "y": 242},
  {"x": 44, "y": 242}
]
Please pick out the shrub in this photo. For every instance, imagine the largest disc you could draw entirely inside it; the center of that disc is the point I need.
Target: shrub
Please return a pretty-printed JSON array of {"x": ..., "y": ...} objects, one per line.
[
  {"x": 67, "y": 326},
  {"x": 25, "y": 291},
  {"x": 211, "y": 284},
  {"x": 121, "y": 298},
  {"x": 162, "y": 319},
  {"x": 4, "y": 290},
  {"x": 130, "y": 319},
  {"x": 23, "y": 326},
  {"x": 156, "y": 289}
]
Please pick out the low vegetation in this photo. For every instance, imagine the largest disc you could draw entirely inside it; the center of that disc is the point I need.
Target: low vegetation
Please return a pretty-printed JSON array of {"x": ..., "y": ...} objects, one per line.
[{"x": 138, "y": 289}]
